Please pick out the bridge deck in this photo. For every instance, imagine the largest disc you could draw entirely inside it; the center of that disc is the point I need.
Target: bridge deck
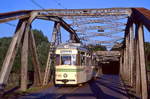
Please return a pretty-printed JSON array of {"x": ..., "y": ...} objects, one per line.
[{"x": 104, "y": 87}]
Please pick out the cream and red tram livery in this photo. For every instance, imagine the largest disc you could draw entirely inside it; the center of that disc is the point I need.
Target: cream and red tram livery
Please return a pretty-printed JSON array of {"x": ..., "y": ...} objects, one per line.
[{"x": 73, "y": 64}]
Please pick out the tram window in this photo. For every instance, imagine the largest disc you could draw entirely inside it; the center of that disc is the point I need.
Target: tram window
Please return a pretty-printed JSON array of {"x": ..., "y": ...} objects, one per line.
[
  {"x": 90, "y": 60},
  {"x": 82, "y": 60},
  {"x": 57, "y": 59},
  {"x": 87, "y": 61},
  {"x": 73, "y": 60},
  {"x": 78, "y": 59},
  {"x": 66, "y": 60}
]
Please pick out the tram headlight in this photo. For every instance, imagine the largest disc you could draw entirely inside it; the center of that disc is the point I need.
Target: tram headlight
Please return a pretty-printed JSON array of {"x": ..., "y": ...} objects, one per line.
[
  {"x": 65, "y": 75},
  {"x": 75, "y": 75},
  {"x": 59, "y": 75}
]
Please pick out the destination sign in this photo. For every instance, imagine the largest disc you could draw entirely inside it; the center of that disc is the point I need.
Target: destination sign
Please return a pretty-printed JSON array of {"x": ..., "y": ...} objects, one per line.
[{"x": 65, "y": 52}]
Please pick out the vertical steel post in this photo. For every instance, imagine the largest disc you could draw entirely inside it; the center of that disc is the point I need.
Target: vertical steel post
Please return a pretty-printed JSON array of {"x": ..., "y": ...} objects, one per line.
[
  {"x": 35, "y": 61},
  {"x": 56, "y": 40},
  {"x": 56, "y": 35},
  {"x": 124, "y": 63},
  {"x": 24, "y": 61},
  {"x": 127, "y": 71},
  {"x": 138, "y": 72},
  {"x": 142, "y": 62},
  {"x": 24, "y": 53},
  {"x": 121, "y": 64},
  {"x": 131, "y": 53}
]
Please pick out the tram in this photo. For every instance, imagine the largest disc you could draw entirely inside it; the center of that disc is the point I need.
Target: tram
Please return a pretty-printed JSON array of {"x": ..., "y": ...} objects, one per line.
[{"x": 73, "y": 64}]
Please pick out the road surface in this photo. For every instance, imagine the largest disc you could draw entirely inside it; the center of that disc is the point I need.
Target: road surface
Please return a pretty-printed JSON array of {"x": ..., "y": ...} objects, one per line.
[{"x": 104, "y": 87}]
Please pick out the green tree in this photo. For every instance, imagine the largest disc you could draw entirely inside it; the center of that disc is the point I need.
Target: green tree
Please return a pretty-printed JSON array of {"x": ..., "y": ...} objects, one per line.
[
  {"x": 117, "y": 47},
  {"x": 43, "y": 50},
  {"x": 147, "y": 54},
  {"x": 4, "y": 43},
  {"x": 42, "y": 45},
  {"x": 97, "y": 47},
  {"x": 39, "y": 37}
]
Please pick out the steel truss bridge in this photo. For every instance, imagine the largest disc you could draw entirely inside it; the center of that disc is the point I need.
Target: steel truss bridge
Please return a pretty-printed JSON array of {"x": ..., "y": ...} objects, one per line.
[{"x": 115, "y": 25}]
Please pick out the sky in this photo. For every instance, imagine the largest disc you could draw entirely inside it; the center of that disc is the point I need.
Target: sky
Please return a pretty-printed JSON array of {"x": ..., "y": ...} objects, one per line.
[{"x": 13, "y": 5}]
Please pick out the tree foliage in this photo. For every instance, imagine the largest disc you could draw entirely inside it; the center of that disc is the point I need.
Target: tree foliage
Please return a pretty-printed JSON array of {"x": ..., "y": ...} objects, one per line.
[
  {"x": 117, "y": 47},
  {"x": 4, "y": 43},
  {"x": 97, "y": 47},
  {"x": 147, "y": 54},
  {"x": 42, "y": 45}
]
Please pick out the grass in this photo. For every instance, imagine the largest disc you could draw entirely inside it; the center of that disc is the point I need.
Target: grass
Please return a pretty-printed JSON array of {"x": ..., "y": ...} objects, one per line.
[{"x": 18, "y": 93}]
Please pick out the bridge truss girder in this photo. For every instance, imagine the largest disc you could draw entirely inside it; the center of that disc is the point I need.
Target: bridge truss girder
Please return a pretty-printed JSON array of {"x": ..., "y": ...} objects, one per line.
[
  {"x": 133, "y": 56},
  {"x": 80, "y": 17}
]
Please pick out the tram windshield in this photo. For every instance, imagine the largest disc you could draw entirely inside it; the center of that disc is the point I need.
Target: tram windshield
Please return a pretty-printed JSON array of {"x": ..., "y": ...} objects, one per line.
[{"x": 68, "y": 59}]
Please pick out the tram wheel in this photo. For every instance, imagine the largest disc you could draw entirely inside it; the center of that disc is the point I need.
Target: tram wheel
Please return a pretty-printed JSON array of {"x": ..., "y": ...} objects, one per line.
[{"x": 80, "y": 85}]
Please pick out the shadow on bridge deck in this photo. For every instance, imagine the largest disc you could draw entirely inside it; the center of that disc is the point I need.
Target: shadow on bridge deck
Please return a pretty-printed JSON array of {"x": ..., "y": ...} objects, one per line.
[{"x": 104, "y": 87}]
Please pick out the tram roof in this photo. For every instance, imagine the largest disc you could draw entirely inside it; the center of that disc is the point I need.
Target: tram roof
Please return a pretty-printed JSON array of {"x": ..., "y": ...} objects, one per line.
[{"x": 69, "y": 45}]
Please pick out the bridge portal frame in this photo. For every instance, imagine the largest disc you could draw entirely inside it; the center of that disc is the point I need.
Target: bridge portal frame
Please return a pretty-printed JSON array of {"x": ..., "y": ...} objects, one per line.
[{"x": 138, "y": 16}]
